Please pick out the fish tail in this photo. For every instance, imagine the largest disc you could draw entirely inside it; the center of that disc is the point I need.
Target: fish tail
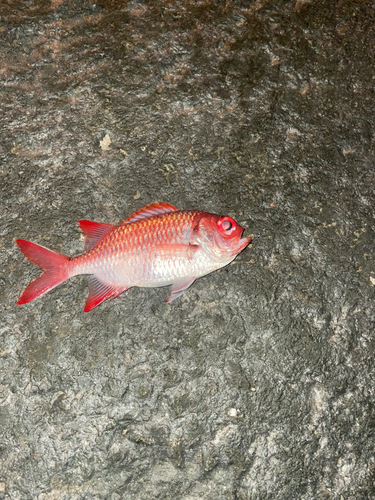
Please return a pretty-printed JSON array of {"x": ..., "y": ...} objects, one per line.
[{"x": 56, "y": 270}]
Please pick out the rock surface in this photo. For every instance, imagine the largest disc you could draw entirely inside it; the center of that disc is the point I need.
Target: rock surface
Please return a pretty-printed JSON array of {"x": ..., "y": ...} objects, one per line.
[{"x": 258, "y": 383}]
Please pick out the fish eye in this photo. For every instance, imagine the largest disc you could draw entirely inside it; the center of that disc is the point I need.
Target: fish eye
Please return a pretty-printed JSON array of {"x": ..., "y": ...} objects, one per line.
[{"x": 226, "y": 225}]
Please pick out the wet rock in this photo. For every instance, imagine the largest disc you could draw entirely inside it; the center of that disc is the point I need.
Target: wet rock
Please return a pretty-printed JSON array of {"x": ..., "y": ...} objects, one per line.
[{"x": 258, "y": 382}]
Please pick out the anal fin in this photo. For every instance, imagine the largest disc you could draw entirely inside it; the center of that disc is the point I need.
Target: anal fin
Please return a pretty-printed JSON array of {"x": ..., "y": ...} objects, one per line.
[
  {"x": 99, "y": 291},
  {"x": 179, "y": 286}
]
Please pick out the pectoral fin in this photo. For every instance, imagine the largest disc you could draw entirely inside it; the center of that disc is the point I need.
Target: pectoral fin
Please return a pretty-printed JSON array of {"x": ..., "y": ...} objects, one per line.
[
  {"x": 179, "y": 286},
  {"x": 176, "y": 250}
]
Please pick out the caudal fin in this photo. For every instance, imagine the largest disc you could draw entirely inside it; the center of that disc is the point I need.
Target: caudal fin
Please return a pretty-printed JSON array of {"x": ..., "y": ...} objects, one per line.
[{"x": 55, "y": 265}]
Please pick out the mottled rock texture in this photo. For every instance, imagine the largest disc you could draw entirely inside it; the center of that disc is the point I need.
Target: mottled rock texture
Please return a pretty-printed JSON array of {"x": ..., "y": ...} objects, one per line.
[{"x": 258, "y": 383}]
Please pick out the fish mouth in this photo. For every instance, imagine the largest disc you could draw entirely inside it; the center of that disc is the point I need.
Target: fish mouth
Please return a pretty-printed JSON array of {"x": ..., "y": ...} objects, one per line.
[
  {"x": 250, "y": 237},
  {"x": 244, "y": 242},
  {"x": 247, "y": 239}
]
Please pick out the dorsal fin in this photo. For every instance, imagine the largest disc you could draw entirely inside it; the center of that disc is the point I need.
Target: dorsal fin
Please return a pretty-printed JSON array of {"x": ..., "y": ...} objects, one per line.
[
  {"x": 150, "y": 211},
  {"x": 93, "y": 232}
]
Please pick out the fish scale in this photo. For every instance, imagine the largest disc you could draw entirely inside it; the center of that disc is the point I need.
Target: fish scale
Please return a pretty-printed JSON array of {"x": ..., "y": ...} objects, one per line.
[{"x": 157, "y": 245}]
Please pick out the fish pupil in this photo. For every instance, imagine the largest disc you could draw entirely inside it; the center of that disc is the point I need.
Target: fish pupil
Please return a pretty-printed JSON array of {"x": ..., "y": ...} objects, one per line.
[{"x": 227, "y": 225}]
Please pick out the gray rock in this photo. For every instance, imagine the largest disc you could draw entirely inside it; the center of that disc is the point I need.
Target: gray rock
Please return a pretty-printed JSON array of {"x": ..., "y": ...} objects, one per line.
[{"x": 258, "y": 383}]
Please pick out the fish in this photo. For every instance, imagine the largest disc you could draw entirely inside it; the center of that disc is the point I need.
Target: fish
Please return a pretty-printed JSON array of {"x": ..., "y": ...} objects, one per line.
[{"x": 155, "y": 246}]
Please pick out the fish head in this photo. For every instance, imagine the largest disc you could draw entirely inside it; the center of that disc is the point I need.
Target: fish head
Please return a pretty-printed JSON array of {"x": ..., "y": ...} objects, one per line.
[{"x": 219, "y": 236}]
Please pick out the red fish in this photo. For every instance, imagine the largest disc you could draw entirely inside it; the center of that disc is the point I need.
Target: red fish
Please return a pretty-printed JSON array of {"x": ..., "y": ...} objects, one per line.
[{"x": 156, "y": 246}]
